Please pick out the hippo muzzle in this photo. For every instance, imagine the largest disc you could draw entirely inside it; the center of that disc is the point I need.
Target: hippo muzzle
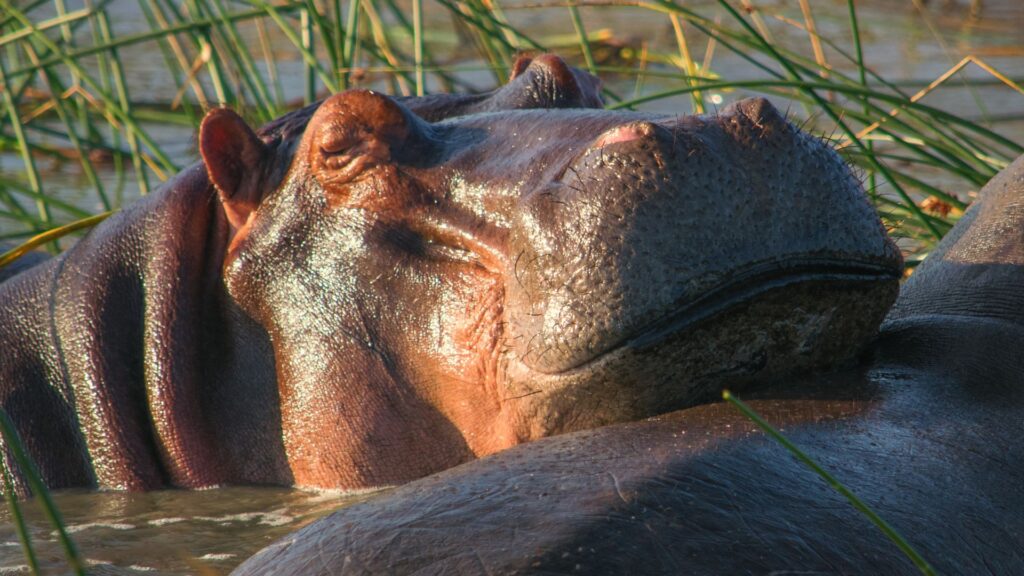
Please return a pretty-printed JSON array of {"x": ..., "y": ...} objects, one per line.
[
  {"x": 662, "y": 222},
  {"x": 509, "y": 275}
]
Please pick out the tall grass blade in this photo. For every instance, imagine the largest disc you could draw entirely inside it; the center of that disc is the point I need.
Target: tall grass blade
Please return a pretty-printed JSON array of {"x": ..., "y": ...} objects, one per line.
[
  {"x": 581, "y": 32},
  {"x": 49, "y": 236},
  {"x": 309, "y": 69},
  {"x": 19, "y": 521},
  {"x": 688, "y": 65},
  {"x": 872, "y": 185},
  {"x": 348, "y": 60},
  {"x": 308, "y": 58},
  {"x": 31, "y": 172},
  {"x": 121, "y": 114},
  {"x": 824, "y": 106},
  {"x": 121, "y": 88},
  {"x": 836, "y": 485},
  {"x": 417, "y": 40},
  {"x": 35, "y": 483},
  {"x": 57, "y": 92}
]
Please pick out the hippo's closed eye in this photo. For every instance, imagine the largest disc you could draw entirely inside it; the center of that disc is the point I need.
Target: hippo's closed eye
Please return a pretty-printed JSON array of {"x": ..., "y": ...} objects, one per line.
[{"x": 435, "y": 242}]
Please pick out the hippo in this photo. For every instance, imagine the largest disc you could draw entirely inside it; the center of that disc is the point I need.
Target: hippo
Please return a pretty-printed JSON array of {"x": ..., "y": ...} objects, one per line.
[
  {"x": 375, "y": 289},
  {"x": 924, "y": 429}
]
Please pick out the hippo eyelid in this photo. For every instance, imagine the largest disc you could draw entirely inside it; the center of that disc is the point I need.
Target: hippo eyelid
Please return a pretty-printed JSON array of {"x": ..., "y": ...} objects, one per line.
[
  {"x": 424, "y": 243},
  {"x": 333, "y": 144},
  {"x": 447, "y": 239},
  {"x": 333, "y": 152}
]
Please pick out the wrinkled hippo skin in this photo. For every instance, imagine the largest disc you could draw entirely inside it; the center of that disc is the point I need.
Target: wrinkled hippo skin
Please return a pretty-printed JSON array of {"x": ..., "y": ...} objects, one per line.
[
  {"x": 925, "y": 431},
  {"x": 372, "y": 290}
]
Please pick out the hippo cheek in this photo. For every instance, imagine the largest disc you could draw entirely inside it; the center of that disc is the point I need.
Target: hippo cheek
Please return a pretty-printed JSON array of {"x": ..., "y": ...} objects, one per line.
[
  {"x": 350, "y": 418},
  {"x": 385, "y": 348},
  {"x": 675, "y": 257}
]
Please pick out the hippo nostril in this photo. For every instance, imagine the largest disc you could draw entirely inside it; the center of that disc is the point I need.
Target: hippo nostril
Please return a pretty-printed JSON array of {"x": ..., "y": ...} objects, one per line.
[
  {"x": 759, "y": 111},
  {"x": 626, "y": 133},
  {"x": 639, "y": 141}
]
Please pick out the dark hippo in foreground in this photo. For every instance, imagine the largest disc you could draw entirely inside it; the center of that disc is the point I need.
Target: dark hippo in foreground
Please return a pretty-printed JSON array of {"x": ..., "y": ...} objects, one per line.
[
  {"x": 927, "y": 431},
  {"x": 365, "y": 297}
]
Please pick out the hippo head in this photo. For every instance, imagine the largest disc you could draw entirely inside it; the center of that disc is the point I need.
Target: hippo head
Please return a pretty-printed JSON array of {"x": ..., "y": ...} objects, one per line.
[{"x": 439, "y": 291}]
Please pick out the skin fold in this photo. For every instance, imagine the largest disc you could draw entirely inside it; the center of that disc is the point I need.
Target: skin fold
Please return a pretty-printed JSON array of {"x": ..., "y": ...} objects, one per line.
[
  {"x": 371, "y": 290},
  {"x": 925, "y": 430}
]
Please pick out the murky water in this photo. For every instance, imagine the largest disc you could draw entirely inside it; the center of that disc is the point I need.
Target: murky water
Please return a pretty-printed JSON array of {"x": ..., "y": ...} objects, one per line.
[
  {"x": 209, "y": 532},
  {"x": 166, "y": 532}
]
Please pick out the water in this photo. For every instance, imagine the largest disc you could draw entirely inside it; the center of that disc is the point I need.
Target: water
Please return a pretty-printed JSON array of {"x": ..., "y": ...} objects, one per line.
[{"x": 169, "y": 531}]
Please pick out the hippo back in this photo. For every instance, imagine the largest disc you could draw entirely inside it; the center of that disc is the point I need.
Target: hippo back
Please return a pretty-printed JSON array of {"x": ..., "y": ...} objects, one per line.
[{"x": 978, "y": 269}]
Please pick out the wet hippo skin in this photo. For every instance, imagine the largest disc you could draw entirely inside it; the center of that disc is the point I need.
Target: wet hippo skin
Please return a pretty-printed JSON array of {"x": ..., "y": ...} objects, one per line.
[
  {"x": 926, "y": 431},
  {"x": 372, "y": 289}
]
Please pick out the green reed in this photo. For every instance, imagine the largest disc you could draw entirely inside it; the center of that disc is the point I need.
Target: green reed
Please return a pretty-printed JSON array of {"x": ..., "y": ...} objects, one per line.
[
  {"x": 834, "y": 483},
  {"x": 13, "y": 445},
  {"x": 65, "y": 94}
]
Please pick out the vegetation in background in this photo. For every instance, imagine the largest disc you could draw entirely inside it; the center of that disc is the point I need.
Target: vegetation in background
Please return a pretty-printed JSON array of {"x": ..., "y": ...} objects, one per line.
[{"x": 67, "y": 96}]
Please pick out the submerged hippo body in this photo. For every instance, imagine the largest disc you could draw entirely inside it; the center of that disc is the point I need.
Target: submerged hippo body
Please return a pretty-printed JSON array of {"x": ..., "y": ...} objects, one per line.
[
  {"x": 926, "y": 431},
  {"x": 358, "y": 296}
]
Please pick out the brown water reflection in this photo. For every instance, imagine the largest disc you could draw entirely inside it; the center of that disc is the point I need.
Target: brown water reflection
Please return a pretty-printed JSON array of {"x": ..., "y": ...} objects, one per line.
[{"x": 168, "y": 531}]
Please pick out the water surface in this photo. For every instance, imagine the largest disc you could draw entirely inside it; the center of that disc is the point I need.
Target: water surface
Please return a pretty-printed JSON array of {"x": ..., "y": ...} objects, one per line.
[{"x": 203, "y": 532}]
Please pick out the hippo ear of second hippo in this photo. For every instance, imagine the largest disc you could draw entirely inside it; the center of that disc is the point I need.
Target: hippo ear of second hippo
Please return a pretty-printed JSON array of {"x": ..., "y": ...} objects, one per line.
[
  {"x": 547, "y": 81},
  {"x": 233, "y": 155}
]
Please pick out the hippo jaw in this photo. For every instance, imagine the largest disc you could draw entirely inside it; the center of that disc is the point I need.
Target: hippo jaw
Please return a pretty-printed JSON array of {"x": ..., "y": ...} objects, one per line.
[
  {"x": 435, "y": 292},
  {"x": 802, "y": 285},
  {"x": 638, "y": 229}
]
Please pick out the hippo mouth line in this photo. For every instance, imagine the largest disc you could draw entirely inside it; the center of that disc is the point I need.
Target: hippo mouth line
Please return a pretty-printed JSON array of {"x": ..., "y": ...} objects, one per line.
[{"x": 749, "y": 284}]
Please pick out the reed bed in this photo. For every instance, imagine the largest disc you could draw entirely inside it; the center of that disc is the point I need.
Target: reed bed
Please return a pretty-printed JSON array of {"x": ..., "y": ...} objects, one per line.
[{"x": 67, "y": 98}]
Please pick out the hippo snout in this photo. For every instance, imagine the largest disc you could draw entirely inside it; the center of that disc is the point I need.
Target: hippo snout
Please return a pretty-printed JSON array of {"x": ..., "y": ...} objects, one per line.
[{"x": 663, "y": 221}]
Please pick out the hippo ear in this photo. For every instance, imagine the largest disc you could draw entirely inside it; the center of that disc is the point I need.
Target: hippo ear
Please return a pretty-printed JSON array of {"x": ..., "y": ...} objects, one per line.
[
  {"x": 521, "y": 64},
  {"x": 234, "y": 156},
  {"x": 546, "y": 81}
]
